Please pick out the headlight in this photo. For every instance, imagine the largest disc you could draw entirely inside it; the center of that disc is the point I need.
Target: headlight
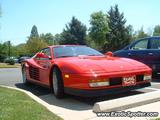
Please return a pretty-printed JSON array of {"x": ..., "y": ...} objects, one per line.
[
  {"x": 147, "y": 77},
  {"x": 98, "y": 83}
]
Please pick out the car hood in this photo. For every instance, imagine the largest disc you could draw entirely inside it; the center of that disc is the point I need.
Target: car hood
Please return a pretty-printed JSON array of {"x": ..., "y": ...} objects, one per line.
[{"x": 103, "y": 64}]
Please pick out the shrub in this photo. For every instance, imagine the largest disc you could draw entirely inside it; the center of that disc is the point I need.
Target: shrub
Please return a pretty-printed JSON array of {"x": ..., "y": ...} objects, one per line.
[{"x": 2, "y": 58}]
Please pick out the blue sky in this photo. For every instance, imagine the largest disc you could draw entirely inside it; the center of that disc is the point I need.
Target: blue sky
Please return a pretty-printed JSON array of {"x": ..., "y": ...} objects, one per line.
[{"x": 18, "y": 16}]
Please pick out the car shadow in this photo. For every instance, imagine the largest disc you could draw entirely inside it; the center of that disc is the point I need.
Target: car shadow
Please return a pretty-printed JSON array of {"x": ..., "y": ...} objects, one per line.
[
  {"x": 35, "y": 89},
  {"x": 71, "y": 102},
  {"x": 156, "y": 80}
]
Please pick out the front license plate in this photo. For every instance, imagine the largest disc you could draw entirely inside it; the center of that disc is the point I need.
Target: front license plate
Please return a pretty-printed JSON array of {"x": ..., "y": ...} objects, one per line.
[{"x": 129, "y": 81}]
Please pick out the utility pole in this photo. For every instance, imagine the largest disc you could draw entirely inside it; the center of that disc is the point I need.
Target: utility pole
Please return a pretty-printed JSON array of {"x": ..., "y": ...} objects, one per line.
[
  {"x": 9, "y": 49},
  {"x": 54, "y": 42}
]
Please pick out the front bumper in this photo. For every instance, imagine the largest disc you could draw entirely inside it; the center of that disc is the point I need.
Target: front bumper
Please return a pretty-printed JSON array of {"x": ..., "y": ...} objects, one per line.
[{"x": 102, "y": 92}]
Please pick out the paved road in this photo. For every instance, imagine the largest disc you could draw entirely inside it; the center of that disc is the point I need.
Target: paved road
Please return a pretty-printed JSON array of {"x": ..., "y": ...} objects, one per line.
[
  {"x": 10, "y": 76},
  {"x": 13, "y": 77}
]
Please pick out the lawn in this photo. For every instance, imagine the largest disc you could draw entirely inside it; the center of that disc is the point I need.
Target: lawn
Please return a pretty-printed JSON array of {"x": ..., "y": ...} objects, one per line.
[
  {"x": 156, "y": 119},
  {"x": 16, "y": 105},
  {"x": 4, "y": 65}
]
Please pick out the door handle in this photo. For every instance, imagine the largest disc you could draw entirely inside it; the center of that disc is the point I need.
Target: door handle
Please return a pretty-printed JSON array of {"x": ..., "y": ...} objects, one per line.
[
  {"x": 129, "y": 54},
  {"x": 150, "y": 53}
]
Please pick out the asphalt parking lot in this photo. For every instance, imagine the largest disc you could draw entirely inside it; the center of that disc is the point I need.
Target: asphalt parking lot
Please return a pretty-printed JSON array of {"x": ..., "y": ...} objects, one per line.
[{"x": 12, "y": 77}]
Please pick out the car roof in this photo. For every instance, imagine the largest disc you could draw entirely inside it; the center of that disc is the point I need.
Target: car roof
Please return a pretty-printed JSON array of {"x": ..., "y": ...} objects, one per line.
[
  {"x": 151, "y": 38},
  {"x": 64, "y": 45}
]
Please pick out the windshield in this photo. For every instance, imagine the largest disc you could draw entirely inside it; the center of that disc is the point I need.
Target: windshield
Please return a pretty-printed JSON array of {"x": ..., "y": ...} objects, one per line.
[{"x": 71, "y": 51}]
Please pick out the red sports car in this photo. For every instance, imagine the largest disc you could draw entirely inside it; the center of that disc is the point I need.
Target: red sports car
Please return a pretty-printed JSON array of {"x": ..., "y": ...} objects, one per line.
[{"x": 83, "y": 71}]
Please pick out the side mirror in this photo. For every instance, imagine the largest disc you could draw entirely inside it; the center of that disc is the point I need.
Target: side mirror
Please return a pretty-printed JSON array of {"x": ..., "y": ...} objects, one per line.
[
  {"x": 42, "y": 55},
  {"x": 109, "y": 53}
]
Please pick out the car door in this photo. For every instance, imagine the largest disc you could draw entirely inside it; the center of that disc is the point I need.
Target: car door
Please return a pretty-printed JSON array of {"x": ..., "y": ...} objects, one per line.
[
  {"x": 45, "y": 66},
  {"x": 139, "y": 50},
  {"x": 154, "y": 53},
  {"x": 136, "y": 50}
]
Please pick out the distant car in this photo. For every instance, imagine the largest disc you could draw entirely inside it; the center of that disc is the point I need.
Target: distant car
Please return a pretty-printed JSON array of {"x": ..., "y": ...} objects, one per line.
[
  {"x": 22, "y": 58},
  {"x": 83, "y": 71},
  {"x": 15, "y": 59},
  {"x": 145, "y": 50}
]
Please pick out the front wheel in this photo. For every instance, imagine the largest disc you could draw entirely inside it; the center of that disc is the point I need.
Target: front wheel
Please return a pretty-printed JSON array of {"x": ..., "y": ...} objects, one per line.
[
  {"x": 57, "y": 83},
  {"x": 24, "y": 78}
]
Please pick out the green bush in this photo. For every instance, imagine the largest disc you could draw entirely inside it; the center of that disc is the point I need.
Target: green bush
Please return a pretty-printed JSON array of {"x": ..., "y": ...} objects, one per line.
[
  {"x": 10, "y": 61},
  {"x": 2, "y": 58}
]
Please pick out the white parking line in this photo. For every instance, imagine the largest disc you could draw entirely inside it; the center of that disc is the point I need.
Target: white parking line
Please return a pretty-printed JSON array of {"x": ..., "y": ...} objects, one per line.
[{"x": 152, "y": 88}]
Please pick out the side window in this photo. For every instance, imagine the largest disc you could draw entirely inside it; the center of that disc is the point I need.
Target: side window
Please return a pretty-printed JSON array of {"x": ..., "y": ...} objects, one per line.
[
  {"x": 46, "y": 51},
  {"x": 140, "y": 45},
  {"x": 155, "y": 44}
]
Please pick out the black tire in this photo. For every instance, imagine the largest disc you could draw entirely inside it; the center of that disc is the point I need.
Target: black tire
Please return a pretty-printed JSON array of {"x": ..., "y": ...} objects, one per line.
[
  {"x": 57, "y": 83},
  {"x": 24, "y": 78}
]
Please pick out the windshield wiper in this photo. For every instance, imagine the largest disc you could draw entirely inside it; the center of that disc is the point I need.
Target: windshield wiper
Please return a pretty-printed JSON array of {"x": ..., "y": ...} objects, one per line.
[
  {"x": 65, "y": 56},
  {"x": 94, "y": 55}
]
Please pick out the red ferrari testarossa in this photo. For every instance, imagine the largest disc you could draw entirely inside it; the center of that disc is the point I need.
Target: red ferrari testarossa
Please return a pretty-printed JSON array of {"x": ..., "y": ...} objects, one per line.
[{"x": 83, "y": 71}]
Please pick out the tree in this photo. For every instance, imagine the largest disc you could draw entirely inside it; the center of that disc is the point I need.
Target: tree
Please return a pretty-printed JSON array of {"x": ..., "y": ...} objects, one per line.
[
  {"x": 57, "y": 38},
  {"x": 156, "y": 31},
  {"x": 3, "y": 51},
  {"x": 99, "y": 28},
  {"x": 141, "y": 34},
  {"x": 74, "y": 33},
  {"x": 92, "y": 43},
  {"x": 118, "y": 36},
  {"x": 19, "y": 50},
  {"x": 48, "y": 38},
  {"x": 35, "y": 44},
  {"x": 34, "y": 32},
  {"x": 130, "y": 32}
]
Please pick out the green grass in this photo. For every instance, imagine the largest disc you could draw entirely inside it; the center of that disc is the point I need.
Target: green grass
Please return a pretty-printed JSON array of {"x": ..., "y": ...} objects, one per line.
[
  {"x": 16, "y": 105},
  {"x": 157, "y": 119},
  {"x": 4, "y": 65}
]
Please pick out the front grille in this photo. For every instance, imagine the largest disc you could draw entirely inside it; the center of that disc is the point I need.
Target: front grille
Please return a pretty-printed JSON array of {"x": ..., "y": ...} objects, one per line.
[
  {"x": 139, "y": 78},
  {"x": 34, "y": 73},
  {"x": 115, "y": 81}
]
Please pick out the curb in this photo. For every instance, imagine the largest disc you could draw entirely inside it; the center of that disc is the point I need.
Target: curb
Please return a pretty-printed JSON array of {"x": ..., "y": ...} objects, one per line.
[{"x": 126, "y": 102}]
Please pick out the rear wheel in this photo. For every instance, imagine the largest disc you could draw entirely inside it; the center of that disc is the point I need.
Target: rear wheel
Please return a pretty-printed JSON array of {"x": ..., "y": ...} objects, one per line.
[{"x": 57, "y": 83}]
